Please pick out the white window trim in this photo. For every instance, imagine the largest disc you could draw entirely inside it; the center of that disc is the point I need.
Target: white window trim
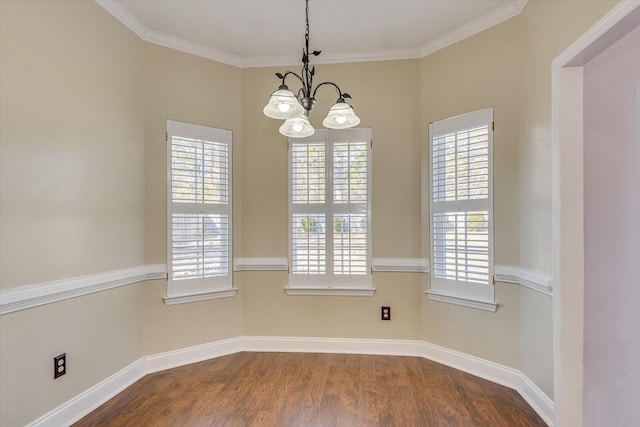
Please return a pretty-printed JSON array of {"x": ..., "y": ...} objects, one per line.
[
  {"x": 479, "y": 296},
  {"x": 327, "y": 285},
  {"x": 193, "y": 290}
]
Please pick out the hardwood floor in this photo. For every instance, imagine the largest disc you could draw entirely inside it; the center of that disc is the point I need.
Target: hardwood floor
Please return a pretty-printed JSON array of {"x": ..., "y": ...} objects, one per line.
[{"x": 301, "y": 389}]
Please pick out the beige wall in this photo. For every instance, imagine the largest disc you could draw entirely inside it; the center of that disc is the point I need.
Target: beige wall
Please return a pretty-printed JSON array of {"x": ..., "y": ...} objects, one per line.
[
  {"x": 82, "y": 115},
  {"x": 390, "y": 107},
  {"x": 536, "y": 339},
  {"x": 508, "y": 67},
  {"x": 72, "y": 196},
  {"x": 479, "y": 72},
  {"x": 183, "y": 87},
  {"x": 548, "y": 28},
  {"x": 387, "y": 105},
  {"x": 268, "y": 311},
  {"x": 72, "y": 185},
  {"x": 100, "y": 333}
]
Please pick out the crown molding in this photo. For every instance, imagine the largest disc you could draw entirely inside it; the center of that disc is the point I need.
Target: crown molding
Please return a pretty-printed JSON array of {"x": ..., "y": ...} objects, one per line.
[
  {"x": 194, "y": 48},
  {"x": 474, "y": 27},
  {"x": 134, "y": 24},
  {"x": 339, "y": 58},
  {"x": 125, "y": 17}
]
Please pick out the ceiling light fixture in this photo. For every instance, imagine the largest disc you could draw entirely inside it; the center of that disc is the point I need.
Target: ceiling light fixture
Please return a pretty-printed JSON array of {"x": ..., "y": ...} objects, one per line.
[{"x": 294, "y": 109}]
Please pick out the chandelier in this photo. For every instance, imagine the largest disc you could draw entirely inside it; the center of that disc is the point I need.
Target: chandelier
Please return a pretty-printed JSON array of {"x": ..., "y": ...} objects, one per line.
[{"x": 294, "y": 109}]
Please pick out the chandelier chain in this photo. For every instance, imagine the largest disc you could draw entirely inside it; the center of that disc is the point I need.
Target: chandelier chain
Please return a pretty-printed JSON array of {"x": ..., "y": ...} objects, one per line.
[
  {"x": 307, "y": 84},
  {"x": 306, "y": 34}
]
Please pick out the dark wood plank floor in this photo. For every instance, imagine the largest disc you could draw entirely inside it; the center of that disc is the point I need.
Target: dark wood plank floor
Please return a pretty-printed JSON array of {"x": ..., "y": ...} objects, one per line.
[{"x": 300, "y": 389}]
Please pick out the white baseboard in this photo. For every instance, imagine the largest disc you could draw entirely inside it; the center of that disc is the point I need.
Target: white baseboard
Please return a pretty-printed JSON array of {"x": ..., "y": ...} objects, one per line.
[
  {"x": 537, "y": 399},
  {"x": 333, "y": 345},
  {"x": 87, "y": 401},
  {"x": 198, "y": 353},
  {"x": 473, "y": 365},
  {"x": 496, "y": 373}
]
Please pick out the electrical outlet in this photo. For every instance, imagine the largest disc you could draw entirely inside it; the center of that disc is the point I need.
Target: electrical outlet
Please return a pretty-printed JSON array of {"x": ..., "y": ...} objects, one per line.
[
  {"x": 59, "y": 365},
  {"x": 385, "y": 313}
]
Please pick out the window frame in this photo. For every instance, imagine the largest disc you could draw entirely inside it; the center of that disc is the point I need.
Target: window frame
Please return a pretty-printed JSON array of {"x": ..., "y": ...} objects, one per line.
[
  {"x": 329, "y": 283},
  {"x": 197, "y": 289},
  {"x": 470, "y": 294}
]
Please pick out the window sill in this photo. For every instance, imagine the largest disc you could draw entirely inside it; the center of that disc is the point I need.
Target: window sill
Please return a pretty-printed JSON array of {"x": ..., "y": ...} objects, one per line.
[
  {"x": 477, "y": 304},
  {"x": 324, "y": 291},
  {"x": 184, "y": 299}
]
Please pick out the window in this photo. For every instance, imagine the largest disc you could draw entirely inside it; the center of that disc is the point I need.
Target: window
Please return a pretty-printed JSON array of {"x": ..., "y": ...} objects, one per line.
[
  {"x": 199, "y": 212},
  {"x": 461, "y": 217},
  {"x": 329, "y": 205}
]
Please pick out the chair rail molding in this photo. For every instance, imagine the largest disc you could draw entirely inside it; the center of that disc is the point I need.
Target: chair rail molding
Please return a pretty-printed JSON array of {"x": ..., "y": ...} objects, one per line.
[
  {"x": 261, "y": 264},
  {"x": 204, "y": 296},
  {"x": 29, "y": 296},
  {"x": 403, "y": 265},
  {"x": 491, "y": 306},
  {"x": 528, "y": 278}
]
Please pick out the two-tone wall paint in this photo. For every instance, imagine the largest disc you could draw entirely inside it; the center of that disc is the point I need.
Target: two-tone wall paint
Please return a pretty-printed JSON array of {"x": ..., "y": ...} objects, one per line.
[
  {"x": 72, "y": 193},
  {"x": 83, "y": 110}
]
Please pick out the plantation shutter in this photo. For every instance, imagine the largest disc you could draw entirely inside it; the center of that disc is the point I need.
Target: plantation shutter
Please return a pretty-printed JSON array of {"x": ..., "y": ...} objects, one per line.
[
  {"x": 329, "y": 195},
  {"x": 461, "y": 204},
  {"x": 350, "y": 199},
  {"x": 308, "y": 197},
  {"x": 199, "y": 208}
]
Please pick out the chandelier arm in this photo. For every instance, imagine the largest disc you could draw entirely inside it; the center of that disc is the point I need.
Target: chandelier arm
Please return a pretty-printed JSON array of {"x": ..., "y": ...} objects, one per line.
[
  {"x": 327, "y": 83},
  {"x": 293, "y": 74},
  {"x": 305, "y": 79},
  {"x": 309, "y": 79}
]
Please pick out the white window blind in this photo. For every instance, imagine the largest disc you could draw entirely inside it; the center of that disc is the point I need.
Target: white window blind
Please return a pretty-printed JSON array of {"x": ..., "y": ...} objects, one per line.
[
  {"x": 329, "y": 209},
  {"x": 199, "y": 208},
  {"x": 461, "y": 205}
]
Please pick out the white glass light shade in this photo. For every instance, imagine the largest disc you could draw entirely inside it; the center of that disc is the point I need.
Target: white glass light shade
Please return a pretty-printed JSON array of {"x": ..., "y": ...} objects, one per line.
[
  {"x": 341, "y": 116},
  {"x": 297, "y": 127},
  {"x": 283, "y": 105}
]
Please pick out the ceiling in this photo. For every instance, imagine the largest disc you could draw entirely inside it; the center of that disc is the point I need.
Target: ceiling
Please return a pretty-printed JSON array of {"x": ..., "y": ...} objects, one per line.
[{"x": 251, "y": 33}]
